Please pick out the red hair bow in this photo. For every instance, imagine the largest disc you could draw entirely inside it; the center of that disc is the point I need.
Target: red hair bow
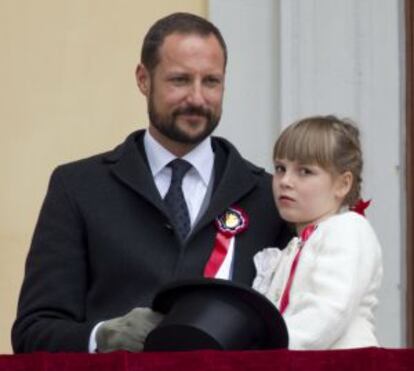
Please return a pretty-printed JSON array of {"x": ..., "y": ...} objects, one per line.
[{"x": 360, "y": 206}]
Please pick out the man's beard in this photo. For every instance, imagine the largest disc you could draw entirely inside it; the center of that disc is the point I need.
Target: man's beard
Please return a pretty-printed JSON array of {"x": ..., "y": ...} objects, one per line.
[{"x": 168, "y": 126}]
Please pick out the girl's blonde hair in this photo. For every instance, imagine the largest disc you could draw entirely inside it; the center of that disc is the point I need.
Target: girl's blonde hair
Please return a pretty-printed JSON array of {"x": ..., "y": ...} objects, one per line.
[{"x": 327, "y": 141}]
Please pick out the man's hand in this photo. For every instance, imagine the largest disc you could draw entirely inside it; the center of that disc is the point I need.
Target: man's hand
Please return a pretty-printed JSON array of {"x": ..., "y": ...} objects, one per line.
[{"x": 127, "y": 332}]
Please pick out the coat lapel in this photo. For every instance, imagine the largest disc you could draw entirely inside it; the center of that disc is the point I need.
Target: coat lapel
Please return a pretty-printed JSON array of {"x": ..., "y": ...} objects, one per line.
[
  {"x": 129, "y": 165},
  {"x": 233, "y": 179}
]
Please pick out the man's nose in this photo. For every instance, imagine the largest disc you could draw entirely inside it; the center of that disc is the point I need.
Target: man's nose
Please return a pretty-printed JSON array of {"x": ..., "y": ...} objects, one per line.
[{"x": 196, "y": 94}]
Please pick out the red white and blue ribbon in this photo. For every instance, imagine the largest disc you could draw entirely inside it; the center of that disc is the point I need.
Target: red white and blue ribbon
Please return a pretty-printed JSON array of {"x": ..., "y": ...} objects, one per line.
[{"x": 232, "y": 222}]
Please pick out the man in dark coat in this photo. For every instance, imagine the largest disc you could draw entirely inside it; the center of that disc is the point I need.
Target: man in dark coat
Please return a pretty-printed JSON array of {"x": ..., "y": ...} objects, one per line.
[{"x": 106, "y": 240}]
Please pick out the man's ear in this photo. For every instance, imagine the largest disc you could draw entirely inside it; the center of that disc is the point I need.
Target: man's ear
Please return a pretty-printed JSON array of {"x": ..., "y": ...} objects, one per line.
[
  {"x": 143, "y": 79},
  {"x": 344, "y": 184}
]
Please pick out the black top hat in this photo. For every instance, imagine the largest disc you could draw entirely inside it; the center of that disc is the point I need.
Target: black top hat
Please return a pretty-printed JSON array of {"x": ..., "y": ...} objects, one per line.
[{"x": 215, "y": 314}]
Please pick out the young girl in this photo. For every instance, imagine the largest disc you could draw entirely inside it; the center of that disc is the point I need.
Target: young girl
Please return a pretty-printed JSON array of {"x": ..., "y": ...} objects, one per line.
[{"x": 325, "y": 282}]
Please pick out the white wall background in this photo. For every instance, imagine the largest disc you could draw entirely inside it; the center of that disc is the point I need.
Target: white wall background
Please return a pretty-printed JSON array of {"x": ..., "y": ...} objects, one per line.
[
  {"x": 251, "y": 103},
  {"x": 293, "y": 58}
]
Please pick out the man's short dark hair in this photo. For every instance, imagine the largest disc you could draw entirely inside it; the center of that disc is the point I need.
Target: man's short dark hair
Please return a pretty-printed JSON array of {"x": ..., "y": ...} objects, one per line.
[{"x": 183, "y": 23}]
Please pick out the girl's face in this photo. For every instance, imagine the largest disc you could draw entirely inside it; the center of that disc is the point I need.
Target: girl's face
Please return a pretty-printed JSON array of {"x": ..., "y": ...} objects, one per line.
[{"x": 307, "y": 193}]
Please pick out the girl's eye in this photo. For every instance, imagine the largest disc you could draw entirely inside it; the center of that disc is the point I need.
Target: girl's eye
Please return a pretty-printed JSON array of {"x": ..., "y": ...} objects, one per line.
[
  {"x": 305, "y": 171},
  {"x": 279, "y": 168}
]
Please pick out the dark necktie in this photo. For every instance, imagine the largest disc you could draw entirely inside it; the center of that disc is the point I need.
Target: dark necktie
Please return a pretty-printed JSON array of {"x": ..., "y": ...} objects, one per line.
[{"x": 174, "y": 199}]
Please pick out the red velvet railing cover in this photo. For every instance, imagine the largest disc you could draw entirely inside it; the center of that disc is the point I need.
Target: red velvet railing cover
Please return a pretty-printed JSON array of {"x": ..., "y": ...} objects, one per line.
[{"x": 368, "y": 359}]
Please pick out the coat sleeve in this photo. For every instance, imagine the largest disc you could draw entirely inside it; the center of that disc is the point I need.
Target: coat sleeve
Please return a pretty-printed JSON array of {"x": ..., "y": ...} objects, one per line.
[
  {"x": 343, "y": 270},
  {"x": 51, "y": 308}
]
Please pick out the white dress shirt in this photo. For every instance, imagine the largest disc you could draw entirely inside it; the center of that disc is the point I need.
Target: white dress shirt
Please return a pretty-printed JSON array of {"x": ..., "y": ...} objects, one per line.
[{"x": 195, "y": 181}]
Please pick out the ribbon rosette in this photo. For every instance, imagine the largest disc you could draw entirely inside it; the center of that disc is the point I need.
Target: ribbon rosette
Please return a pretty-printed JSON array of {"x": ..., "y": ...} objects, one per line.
[{"x": 232, "y": 222}]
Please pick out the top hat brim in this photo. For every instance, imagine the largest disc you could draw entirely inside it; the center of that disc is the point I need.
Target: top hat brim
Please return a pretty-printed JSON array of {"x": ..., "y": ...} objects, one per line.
[{"x": 274, "y": 327}]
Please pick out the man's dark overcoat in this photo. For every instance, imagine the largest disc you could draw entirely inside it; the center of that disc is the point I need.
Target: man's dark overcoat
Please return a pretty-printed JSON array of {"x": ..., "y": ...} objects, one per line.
[{"x": 104, "y": 243}]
